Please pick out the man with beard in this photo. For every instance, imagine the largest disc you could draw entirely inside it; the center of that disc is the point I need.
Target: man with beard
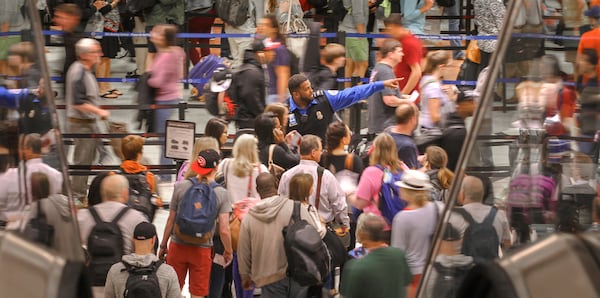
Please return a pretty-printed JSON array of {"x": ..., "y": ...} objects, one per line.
[{"x": 311, "y": 112}]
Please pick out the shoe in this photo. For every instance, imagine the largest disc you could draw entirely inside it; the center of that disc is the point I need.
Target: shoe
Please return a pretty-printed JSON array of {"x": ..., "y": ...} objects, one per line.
[
  {"x": 115, "y": 91},
  {"x": 132, "y": 74},
  {"x": 108, "y": 94}
]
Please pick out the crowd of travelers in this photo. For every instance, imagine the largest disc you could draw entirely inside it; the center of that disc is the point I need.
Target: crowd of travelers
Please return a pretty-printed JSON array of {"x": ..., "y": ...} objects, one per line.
[{"x": 298, "y": 195}]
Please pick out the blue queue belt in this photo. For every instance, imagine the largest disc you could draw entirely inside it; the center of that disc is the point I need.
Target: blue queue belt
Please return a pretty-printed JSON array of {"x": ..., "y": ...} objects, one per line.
[{"x": 324, "y": 34}]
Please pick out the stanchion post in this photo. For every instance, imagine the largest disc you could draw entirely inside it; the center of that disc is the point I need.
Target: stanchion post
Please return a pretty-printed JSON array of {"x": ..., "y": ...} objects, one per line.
[
  {"x": 355, "y": 111},
  {"x": 186, "y": 48},
  {"x": 182, "y": 107}
]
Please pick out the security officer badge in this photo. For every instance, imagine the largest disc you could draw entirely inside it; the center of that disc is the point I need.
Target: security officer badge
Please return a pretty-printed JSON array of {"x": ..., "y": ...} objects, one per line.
[{"x": 319, "y": 115}]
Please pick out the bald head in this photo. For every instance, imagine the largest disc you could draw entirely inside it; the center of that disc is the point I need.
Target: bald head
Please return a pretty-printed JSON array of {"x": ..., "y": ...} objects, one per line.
[
  {"x": 405, "y": 112},
  {"x": 472, "y": 189},
  {"x": 266, "y": 185},
  {"x": 370, "y": 228},
  {"x": 114, "y": 188}
]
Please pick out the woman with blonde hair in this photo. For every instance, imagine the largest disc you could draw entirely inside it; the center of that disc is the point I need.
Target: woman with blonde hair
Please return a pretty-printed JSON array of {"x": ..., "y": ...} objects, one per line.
[
  {"x": 384, "y": 156},
  {"x": 435, "y": 162},
  {"x": 239, "y": 173},
  {"x": 241, "y": 170}
]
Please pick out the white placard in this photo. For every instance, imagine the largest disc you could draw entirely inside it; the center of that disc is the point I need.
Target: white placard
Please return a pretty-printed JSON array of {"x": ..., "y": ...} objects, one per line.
[{"x": 179, "y": 139}]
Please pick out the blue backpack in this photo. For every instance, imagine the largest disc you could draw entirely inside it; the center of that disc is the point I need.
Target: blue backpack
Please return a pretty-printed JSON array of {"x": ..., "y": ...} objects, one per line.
[
  {"x": 389, "y": 194},
  {"x": 197, "y": 213}
]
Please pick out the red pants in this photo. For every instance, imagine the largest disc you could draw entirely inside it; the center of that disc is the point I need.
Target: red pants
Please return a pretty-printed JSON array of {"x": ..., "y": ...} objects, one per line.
[{"x": 196, "y": 260}]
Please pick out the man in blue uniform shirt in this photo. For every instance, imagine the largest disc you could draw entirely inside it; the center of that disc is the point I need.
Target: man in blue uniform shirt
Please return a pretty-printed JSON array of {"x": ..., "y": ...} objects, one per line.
[{"x": 311, "y": 112}]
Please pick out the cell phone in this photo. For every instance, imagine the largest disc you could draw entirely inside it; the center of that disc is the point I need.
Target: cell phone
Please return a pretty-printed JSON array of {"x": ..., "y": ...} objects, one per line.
[{"x": 296, "y": 138}]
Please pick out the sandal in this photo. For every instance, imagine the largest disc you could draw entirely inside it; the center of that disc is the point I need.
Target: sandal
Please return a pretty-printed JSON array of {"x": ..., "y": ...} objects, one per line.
[
  {"x": 108, "y": 94},
  {"x": 115, "y": 91}
]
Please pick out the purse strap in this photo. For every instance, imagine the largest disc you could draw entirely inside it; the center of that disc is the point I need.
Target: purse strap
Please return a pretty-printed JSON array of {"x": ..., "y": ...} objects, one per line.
[
  {"x": 289, "y": 18},
  {"x": 349, "y": 162},
  {"x": 271, "y": 149},
  {"x": 320, "y": 171},
  {"x": 250, "y": 183}
]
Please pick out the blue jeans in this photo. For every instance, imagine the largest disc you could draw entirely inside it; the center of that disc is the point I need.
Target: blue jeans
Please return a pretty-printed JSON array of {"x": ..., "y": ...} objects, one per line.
[
  {"x": 160, "y": 119},
  {"x": 454, "y": 26},
  {"x": 237, "y": 281}
]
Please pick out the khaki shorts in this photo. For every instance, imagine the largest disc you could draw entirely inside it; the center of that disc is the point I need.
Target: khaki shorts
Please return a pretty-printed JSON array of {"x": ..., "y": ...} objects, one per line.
[{"x": 357, "y": 49}]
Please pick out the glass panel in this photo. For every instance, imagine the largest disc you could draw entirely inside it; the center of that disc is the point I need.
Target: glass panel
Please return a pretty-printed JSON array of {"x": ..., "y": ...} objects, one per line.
[
  {"x": 536, "y": 151},
  {"x": 32, "y": 167}
]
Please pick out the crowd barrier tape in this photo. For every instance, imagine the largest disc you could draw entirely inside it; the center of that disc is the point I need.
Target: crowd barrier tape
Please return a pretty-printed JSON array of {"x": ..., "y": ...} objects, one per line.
[{"x": 323, "y": 34}]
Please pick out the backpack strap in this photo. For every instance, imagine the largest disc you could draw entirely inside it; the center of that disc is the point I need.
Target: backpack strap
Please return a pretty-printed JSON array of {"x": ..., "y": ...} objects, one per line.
[
  {"x": 489, "y": 219},
  {"x": 121, "y": 213},
  {"x": 153, "y": 266},
  {"x": 349, "y": 162},
  {"x": 465, "y": 214},
  {"x": 295, "y": 213},
  {"x": 320, "y": 171},
  {"x": 95, "y": 215}
]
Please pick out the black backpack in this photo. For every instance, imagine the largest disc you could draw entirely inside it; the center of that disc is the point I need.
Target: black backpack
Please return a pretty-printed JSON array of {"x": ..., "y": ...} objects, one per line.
[
  {"x": 105, "y": 246},
  {"x": 142, "y": 281},
  {"x": 309, "y": 261},
  {"x": 318, "y": 4},
  {"x": 140, "y": 193},
  {"x": 233, "y": 12},
  {"x": 337, "y": 10},
  {"x": 480, "y": 239},
  {"x": 137, "y": 6},
  {"x": 448, "y": 280},
  {"x": 38, "y": 229}
]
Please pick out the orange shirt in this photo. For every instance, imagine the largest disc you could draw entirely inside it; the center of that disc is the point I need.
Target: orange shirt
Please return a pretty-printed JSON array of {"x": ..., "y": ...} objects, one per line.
[{"x": 590, "y": 40}]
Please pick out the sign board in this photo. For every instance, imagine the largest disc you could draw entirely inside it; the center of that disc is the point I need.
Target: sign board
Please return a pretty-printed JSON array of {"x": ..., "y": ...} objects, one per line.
[{"x": 179, "y": 139}]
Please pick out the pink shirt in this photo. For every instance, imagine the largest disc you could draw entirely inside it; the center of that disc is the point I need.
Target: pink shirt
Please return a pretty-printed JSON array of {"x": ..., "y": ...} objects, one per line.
[
  {"x": 167, "y": 70},
  {"x": 368, "y": 188}
]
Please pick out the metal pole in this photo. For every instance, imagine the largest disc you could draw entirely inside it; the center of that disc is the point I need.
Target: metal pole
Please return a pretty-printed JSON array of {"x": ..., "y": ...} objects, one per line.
[{"x": 486, "y": 99}]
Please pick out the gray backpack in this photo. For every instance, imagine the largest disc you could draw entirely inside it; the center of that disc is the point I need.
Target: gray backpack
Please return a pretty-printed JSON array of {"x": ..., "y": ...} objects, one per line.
[
  {"x": 233, "y": 12},
  {"x": 198, "y": 6}
]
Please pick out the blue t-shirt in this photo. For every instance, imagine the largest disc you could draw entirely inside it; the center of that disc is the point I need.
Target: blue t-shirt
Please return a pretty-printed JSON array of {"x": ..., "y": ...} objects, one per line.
[
  {"x": 407, "y": 150},
  {"x": 282, "y": 58}
]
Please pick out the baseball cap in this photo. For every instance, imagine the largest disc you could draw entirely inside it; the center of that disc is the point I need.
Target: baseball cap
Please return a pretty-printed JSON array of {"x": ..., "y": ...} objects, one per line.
[
  {"x": 270, "y": 44},
  {"x": 206, "y": 161},
  {"x": 144, "y": 231},
  {"x": 593, "y": 12},
  {"x": 415, "y": 180},
  {"x": 221, "y": 79}
]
